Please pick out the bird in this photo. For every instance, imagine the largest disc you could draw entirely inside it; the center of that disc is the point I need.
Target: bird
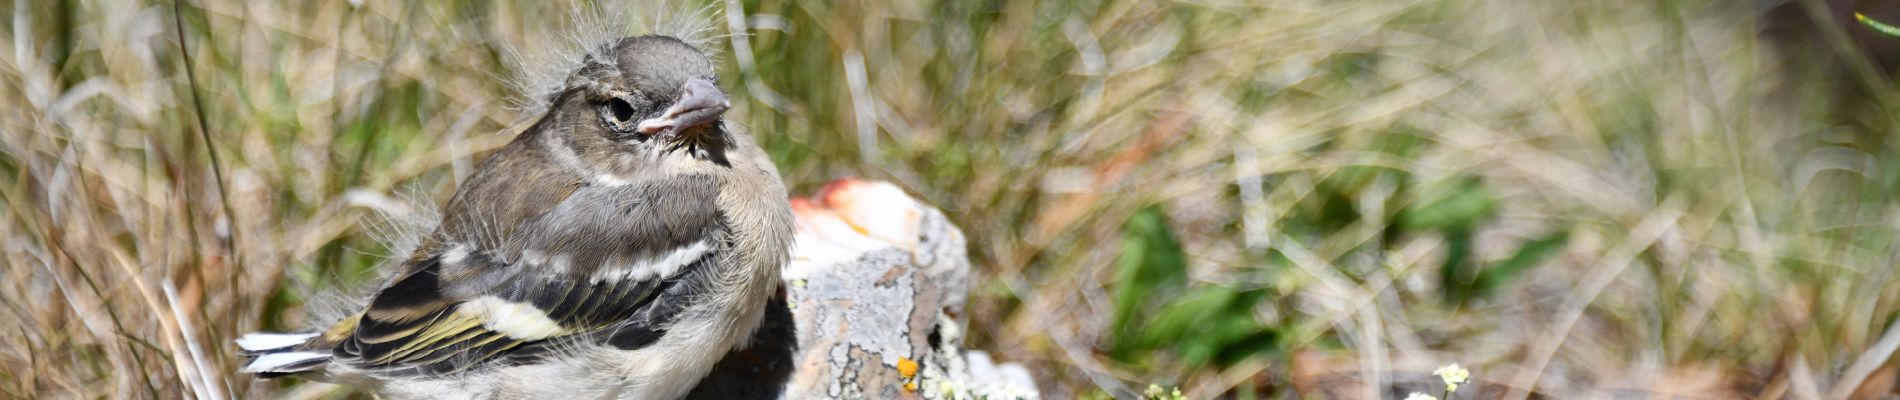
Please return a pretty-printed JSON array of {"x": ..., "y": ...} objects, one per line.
[{"x": 618, "y": 247}]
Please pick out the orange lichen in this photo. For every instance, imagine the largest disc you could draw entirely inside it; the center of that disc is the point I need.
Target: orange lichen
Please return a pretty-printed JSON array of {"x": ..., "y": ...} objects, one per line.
[{"x": 906, "y": 368}]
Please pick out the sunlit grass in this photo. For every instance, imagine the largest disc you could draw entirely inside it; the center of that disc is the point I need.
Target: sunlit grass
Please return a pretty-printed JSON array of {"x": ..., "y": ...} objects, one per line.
[{"x": 1258, "y": 198}]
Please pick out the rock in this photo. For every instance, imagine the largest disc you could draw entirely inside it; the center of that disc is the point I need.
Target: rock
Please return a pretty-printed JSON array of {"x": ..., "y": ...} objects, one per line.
[{"x": 872, "y": 308}]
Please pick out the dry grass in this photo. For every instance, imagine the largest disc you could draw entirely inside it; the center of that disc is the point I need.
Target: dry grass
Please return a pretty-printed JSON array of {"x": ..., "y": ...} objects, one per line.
[{"x": 1726, "y": 214}]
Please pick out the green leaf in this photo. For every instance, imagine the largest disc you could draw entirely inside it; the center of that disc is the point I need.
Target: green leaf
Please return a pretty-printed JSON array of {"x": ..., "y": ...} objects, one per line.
[
  {"x": 1457, "y": 276},
  {"x": 1530, "y": 255},
  {"x": 1877, "y": 26},
  {"x": 1211, "y": 324},
  {"x": 1454, "y": 208},
  {"x": 1151, "y": 265},
  {"x": 1457, "y": 205},
  {"x": 1187, "y": 315}
]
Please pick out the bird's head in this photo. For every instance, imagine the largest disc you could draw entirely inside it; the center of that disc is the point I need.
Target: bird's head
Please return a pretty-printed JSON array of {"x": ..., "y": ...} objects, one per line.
[{"x": 643, "y": 99}]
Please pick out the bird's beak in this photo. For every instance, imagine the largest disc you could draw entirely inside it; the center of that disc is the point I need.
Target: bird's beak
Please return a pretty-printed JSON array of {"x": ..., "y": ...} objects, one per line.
[{"x": 700, "y": 103}]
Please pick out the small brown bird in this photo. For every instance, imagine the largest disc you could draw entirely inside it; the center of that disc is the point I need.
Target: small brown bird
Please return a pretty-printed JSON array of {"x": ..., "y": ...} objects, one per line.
[{"x": 617, "y": 248}]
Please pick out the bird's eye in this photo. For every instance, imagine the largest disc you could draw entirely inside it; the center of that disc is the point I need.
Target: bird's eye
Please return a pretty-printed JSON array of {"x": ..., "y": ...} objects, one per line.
[{"x": 620, "y": 110}]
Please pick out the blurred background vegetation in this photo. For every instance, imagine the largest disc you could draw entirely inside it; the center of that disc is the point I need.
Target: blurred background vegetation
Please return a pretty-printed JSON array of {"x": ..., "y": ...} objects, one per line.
[{"x": 1306, "y": 198}]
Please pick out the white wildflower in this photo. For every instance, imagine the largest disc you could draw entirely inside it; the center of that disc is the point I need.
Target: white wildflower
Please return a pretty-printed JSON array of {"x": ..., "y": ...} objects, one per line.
[{"x": 1453, "y": 375}]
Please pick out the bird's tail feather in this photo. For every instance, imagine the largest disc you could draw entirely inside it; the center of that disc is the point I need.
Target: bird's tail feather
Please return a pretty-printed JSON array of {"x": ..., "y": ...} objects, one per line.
[{"x": 278, "y": 354}]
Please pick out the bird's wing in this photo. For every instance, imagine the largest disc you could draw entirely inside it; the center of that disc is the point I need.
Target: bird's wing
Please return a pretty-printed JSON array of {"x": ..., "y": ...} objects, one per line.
[
  {"x": 601, "y": 263},
  {"x": 416, "y": 326}
]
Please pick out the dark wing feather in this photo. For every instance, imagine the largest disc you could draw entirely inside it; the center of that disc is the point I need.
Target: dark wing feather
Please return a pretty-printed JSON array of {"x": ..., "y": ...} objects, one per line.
[
  {"x": 446, "y": 341},
  {"x": 429, "y": 319}
]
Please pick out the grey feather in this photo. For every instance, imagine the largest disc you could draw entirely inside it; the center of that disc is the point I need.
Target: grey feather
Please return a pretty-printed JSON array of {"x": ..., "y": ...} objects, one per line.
[{"x": 541, "y": 66}]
